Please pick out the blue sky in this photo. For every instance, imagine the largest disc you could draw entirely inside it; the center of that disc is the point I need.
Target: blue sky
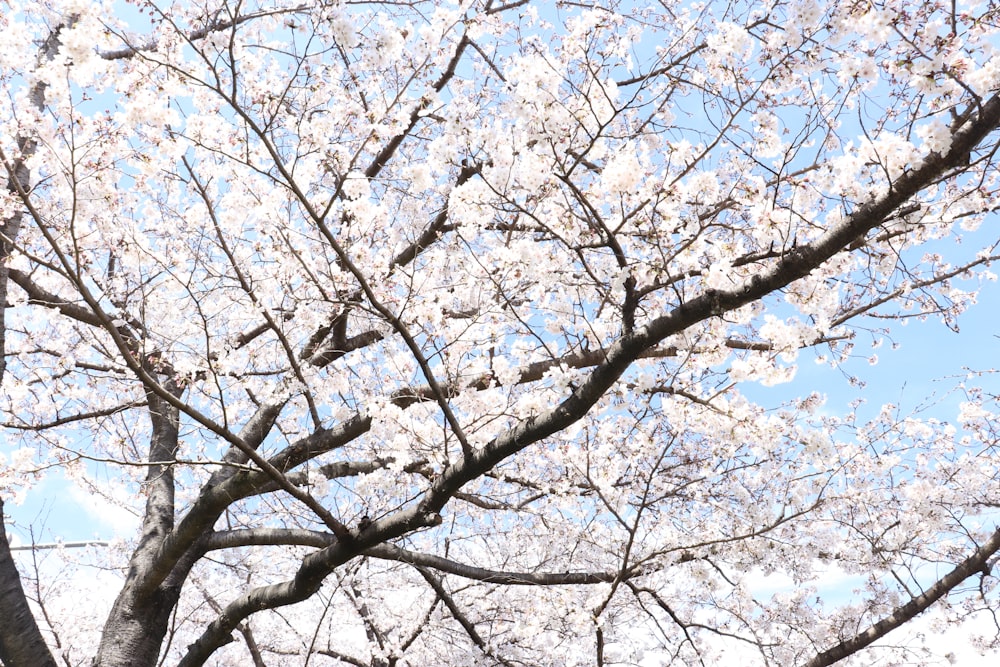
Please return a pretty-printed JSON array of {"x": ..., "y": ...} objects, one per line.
[
  {"x": 930, "y": 360},
  {"x": 927, "y": 363}
]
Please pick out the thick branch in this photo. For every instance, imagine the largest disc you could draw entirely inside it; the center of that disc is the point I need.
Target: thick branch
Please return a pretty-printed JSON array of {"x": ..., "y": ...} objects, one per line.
[
  {"x": 210, "y": 27},
  {"x": 215, "y": 497},
  {"x": 978, "y": 562},
  {"x": 390, "y": 148},
  {"x": 394, "y": 553},
  {"x": 41, "y": 297},
  {"x": 438, "y": 224},
  {"x": 284, "y": 536},
  {"x": 307, "y": 581},
  {"x": 713, "y": 303},
  {"x": 310, "y": 576},
  {"x": 138, "y": 620}
]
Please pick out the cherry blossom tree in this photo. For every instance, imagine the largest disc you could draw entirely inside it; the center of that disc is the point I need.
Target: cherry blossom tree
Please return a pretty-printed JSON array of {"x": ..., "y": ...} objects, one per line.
[{"x": 424, "y": 332}]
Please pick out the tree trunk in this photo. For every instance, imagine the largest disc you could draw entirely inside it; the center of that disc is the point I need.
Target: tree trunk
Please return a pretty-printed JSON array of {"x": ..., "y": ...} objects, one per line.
[
  {"x": 138, "y": 620},
  {"x": 135, "y": 629},
  {"x": 21, "y": 643}
]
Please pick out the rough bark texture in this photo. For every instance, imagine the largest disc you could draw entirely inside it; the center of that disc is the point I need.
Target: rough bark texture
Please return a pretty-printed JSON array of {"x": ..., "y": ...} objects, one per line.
[
  {"x": 137, "y": 624},
  {"x": 630, "y": 347},
  {"x": 170, "y": 545},
  {"x": 21, "y": 643},
  {"x": 138, "y": 621},
  {"x": 979, "y": 562}
]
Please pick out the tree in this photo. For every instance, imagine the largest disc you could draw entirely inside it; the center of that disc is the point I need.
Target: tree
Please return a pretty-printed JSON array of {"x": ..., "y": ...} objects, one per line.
[{"x": 420, "y": 333}]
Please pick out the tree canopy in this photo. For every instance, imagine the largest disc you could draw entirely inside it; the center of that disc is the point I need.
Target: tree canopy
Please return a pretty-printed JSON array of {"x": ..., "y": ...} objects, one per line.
[{"x": 423, "y": 333}]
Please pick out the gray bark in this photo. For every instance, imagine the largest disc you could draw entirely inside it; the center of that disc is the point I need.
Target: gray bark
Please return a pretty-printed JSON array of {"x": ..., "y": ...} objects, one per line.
[
  {"x": 21, "y": 641},
  {"x": 138, "y": 623},
  {"x": 134, "y": 632},
  {"x": 630, "y": 347},
  {"x": 139, "y": 619},
  {"x": 978, "y": 563}
]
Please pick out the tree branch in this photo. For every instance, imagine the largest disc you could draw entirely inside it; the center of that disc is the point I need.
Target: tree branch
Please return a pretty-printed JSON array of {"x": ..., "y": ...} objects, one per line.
[
  {"x": 458, "y": 615},
  {"x": 711, "y": 303},
  {"x": 978, "y": 562},
  {"x": 294, "y": 536},
  {"x": 21, "y": 642},
  {"x": 41, "y": 297}
]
